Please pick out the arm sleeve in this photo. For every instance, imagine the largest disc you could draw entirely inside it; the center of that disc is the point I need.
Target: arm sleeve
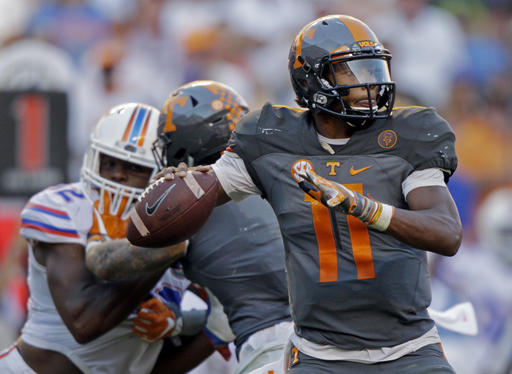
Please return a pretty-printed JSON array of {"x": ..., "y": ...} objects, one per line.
[
  {"x": 423, "y": 178},
  {"x": 234, "y": 177}
]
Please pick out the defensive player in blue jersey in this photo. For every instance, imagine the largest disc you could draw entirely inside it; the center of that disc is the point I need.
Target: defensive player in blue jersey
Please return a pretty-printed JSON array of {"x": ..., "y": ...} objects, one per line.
[{"x": 359, "y": 189}]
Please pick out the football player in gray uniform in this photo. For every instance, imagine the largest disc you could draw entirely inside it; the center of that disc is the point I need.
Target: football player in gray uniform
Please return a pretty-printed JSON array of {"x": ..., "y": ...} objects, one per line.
[
  {"x": 359, "y": 190},
  {"x": 238, "y": 254}
]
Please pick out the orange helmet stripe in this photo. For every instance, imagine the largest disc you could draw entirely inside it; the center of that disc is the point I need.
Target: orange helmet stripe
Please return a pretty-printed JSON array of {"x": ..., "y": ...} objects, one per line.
[
  {"x": 142, "y": 136},
  {"x": 309, "y": 33},
  {"x": 168, "y": 110},
  {"x": 213, "y": 88},
  {"x": 130, "y": 124},
  {"x": 357, "y": 29},
  {"x": 298, "y": 51}
]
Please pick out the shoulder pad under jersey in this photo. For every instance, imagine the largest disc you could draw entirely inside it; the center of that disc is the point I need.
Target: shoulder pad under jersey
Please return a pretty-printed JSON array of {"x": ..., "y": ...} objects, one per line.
[
  {"x": 429, "y": 139},
  {"x": 59, "y": 214},
  {"x": 274, "y": 128},
  {"x": 268, "y": 119}
]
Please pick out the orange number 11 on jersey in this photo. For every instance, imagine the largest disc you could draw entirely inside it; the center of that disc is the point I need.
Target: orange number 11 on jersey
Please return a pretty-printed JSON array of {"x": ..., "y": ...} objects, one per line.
[{"x": 359, "y": 236}]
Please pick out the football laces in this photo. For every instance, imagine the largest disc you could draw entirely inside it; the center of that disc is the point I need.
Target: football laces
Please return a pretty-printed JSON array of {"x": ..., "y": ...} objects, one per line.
[{"x": 150, "y": 187}]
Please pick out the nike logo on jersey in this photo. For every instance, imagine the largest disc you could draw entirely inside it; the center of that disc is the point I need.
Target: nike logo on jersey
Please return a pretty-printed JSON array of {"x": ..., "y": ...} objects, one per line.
[
  {"x": 357, "y": 171},
  {"x": 150, "y": 210}
]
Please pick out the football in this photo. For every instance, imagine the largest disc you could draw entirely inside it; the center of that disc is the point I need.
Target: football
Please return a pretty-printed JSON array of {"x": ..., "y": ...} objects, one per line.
[{"x": 170, "y": 211}]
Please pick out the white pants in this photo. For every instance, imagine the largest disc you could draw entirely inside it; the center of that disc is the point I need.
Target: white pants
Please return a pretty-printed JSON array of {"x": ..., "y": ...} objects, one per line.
[
  {"x": 264, "y": 346},
  {"x": 11, "y": 362}
]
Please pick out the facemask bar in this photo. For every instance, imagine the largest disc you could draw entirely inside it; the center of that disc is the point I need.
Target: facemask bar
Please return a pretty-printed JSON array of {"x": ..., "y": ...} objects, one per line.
[
  {"x": 367, "y": 71},
  {"x": 159, "y": 150},
  {"x": 98, "y": 188},
  {"x": 382, "y": 109},
  {"x": 161, "y": 155}
]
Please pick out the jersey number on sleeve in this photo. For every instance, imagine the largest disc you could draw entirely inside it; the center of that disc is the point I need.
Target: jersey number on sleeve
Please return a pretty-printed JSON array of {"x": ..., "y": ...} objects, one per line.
[
  {"x": 68, "y": 193},
  {"x": 327, "y": 253}
]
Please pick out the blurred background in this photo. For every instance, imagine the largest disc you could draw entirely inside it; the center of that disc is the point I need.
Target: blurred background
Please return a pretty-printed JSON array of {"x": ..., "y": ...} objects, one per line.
[{"x": 63, "y": 63}]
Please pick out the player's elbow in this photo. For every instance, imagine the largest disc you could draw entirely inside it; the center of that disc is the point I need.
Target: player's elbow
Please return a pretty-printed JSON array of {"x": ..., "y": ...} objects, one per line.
[
  {"x": 82, "y": 334},
  {"x": 222, "y": 196},
  {"x": 96, "y": 266},
  {"x": 452, "y": 241},
  {"x": 82, "y": 338},
  {"x": 457, "y": 240},
  {"x": 84, "y": 326},
  {"x": 102, "y": 272}
]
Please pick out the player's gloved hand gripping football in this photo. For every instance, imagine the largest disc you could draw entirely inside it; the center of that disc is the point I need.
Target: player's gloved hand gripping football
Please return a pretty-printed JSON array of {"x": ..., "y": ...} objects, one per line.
[
  {"x": 334, "y": 195},
  {"x": 156, "y": 320}
]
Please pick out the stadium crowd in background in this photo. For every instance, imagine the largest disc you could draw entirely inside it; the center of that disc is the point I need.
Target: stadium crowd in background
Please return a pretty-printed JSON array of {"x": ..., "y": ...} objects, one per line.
[{"x": 454, "y": 55}]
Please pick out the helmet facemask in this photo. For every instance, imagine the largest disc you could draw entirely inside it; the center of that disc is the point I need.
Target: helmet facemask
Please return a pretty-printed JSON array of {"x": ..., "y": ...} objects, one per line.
[
  {"x": 121, "y": 198},
  {"x": 368, "y": 74}
]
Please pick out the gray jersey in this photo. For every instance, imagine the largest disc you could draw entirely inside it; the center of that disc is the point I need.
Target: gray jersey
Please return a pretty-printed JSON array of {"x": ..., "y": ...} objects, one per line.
[
  {"x": 349, "y": 286},
  {"x": 238, "y": 254}
]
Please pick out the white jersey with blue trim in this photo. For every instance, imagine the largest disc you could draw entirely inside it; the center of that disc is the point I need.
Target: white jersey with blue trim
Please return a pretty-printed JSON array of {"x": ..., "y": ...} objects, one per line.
[
  {"x": 63, "y": 214},
  {"x": 171, "y": 287},
  {"x": 60, "y": 214}
]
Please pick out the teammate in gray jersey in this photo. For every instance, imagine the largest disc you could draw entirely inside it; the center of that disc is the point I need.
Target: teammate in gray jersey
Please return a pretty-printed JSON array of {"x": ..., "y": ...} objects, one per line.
[
  {"x": 238, "y": 254},
  {"x": 359, "y": 190}
]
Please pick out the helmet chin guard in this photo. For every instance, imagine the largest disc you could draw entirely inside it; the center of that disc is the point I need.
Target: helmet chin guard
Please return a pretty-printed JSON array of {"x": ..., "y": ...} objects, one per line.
[
  {"x": 126, "y": 132},
  {"x": 328, "y": 43}
]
